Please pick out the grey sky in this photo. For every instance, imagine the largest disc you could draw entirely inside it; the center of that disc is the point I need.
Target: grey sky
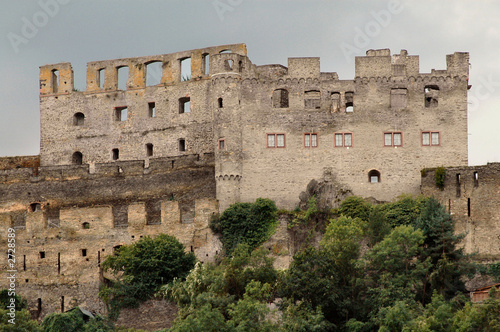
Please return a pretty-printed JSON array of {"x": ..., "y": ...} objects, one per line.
[{"x": 80, "y": 31}]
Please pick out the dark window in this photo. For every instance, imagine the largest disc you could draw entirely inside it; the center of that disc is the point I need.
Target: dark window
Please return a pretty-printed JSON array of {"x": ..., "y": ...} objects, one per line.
[
  {"x": 152, "y": 110},
  {"x": 312, "y": 99},
  {"x": 219, "y": 102},
  {"x": 84, "y": 252},
  {"x": 458, "y": 185},
  {"x": 121, "y": 113},
  {"x": 86, "y": 225},
  {"x": 182, "y": 144},
  {"x": 184, "y": 105},
  {"x": 222, "y": 144},
  {"x": 77, "y": 158},
  {"x": 149, "y": 150},
  {"x": 115, "y": 154},
  {"x": 349, "y": 102},
  {"x": 78, "y": 119},
  {"x": 374, "y": 176},
  {"x": 35, "y": 207},
  {"x": 42, "y": 254},
  {"x": 431, "y": 93},
  {"x": 280, "y": 98}
]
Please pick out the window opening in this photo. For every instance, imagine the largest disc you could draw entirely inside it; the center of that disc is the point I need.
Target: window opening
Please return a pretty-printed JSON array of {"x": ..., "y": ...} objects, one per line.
[
  {"x": 42, "y": 254},
  {"x": 77, "y": 158},
  {"x": 182, "y": 144},
  {"x": 100, "y": 78},
  {"x": 58, "y": 263},
  {"x": 149, "y": 150},
  {"x": 78, "y": 119},
  {"x": 86, "y": 225},
  {"x": 220, "y": 102},
  {"x": 24, "y": 262},
  {"x": 55, "y": 80},
  {"x": 343, "y": 139},
  {"x": 229, "y": 64},
  {"x": 184, "y": 105},
  {"x": 121, "y": 113},
  {"x": 430, "y": 138},
  {"x": 84, "y": 252},
  {"x": 275, "y": 140},
  {"x": 374, "y": 176},
  {"x": 312, "y": 99},
  {"x": 122, "y": 77},
  {"x": 154, "y": 72},
  {"x": 280, "y": 98},
  {"x": 185, "y": 69},
  {"x": 458, "y": 185},
  {"x": 335, "y": 98},
  {"x": 431, "y": 93},
  {"x": 98, "y": 258},
  {"x": 205, "y": 63},
  {"x": 152, "y": 110},
  {"x": 310, "y": 140},
  {"x": 222, "y": 144},
  {"x": 62, "y": 303},
  {"x": 39, "y": 307},
  {"x": 240, "y": 66},
  {"x": 35, "y": 207},
  {"x": 349, "y": 102},
  {"x": 115, "y": 154},
  {"x": 468, "y": 207},
  {"x": 476, "y": 179}
]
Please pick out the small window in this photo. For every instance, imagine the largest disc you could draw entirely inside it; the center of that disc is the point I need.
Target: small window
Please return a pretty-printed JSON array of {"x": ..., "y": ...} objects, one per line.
[
  {"x": 393, "y": 139},
  {"x": 275, "y": 140},
  {"x": 42, "y": 254},
  {"x": 149, "y": 150},
  {"x": 220, "y": 102},
  {"x": 35, "y": 207},
  {"x": 185, "y": 69},
  {"x": 312, "y": 99},
  {"x": 182, "y": 144},
  {"x": 349, "y": 102},
  {"x": 55, "y": 81},
  {"x": 343, "y": 139},
  {"x": 476, "y": 179},
  {"x": 280, "y": 98},
  {"x": 205, "y": 63},
  {"x": 431, "y": 93},
  {"x": 78, "y": 119},
  {"x": 77, "y": 158},
  {"x": 430, "y": 138},
  {"x": 115, "y": 153},
  {"x": 374, "y": 176},
  {"x": 184, "y": 105},
  {"x": 84, "y": 252},
  {"x": 222, "y": 144},
  {"x": 310, "y": 140},
  {"x": 100, "y": 78},
  {"x": 86, "y": 225},
  {"x": 152, "y": 110},
  {"x": 121, "y": 113}
]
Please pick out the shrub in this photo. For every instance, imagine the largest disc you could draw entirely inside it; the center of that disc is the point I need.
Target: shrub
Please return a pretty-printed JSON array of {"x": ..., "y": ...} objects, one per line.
[{"x": 439, "y": 177}]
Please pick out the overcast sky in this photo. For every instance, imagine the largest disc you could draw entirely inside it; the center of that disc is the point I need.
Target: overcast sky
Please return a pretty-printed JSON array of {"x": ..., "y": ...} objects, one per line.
[{"x": 38, "y": 32}]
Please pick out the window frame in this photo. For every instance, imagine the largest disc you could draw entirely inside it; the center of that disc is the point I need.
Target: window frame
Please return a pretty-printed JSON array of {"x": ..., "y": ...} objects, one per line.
[
  {"x": 343, "y": 140},
  {"x": 276, "y": 141},
  {"x": 430, "y": 132},
  {"x": 118, "y": 113},
  {"x": 221, "y": 140},
  {"x": 372, "y": 173},
  {"x": 392, "y": 139},
  {"x": 310, "y": 140}
]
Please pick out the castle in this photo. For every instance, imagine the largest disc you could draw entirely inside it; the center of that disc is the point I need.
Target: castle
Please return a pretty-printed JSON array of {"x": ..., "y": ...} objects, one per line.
[{"x": 120, "y": 162}]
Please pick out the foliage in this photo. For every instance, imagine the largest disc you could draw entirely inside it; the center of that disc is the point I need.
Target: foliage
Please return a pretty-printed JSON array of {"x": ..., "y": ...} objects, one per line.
[
  {"x": 307, "y": 216},
  {"x": 23, "y": 322},
  {"x": 71, "y": 321},
  {"x": 405, "y": 210},
  {"x": 252, "y": 224},
  {"x": 494, "y": 270},
  {"x": 5, "y": 300},
  {"x": 378, "y": 226},
  {"x": 439, "y": 177},
  {"x": 299, "y": 317},
  {"x": 355, "y": 207},
  {"x": 145, "y": 266}
]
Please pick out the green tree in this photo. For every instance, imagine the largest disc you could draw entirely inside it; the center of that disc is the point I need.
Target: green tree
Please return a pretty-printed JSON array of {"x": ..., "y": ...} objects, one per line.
[
  {"x": 23, "y": 322},
  {"x": 355, "y": 207},
  {"x": 252, "y": 224},
  {"x": 405, "y": 210},
  {"x": 145, "y": 266},
  {"x": 71, "y": 321}
]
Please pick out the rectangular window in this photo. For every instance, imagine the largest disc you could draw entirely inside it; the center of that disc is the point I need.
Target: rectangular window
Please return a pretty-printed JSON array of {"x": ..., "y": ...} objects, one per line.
[
  {"x": 222, "y": 144},
  {"x": 343, "y": 140},
  {"x": 152, "y": 110},
  {"x": 275, "y": 140},
  {"x": 430, "y": 138},
  {"x": 121, "y": 113},
  {"x": 393, "y": 139},
  {"x": 184, "y": 105},
  {"x": 310, "y": 140}
]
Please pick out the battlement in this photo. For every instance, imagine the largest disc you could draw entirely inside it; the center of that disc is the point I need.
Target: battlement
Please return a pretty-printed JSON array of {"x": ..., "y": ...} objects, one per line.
[{"x": 380, "y": 63}]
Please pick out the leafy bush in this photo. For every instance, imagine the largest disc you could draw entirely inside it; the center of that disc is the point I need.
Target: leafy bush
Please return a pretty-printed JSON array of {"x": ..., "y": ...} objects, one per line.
[
  {"x": 248, "y": 223},
  {"x": 405, "y": 210},
  {"x": 355, "y": 207},
  {"x": 439, "y": 177},
  {"x": 146, "y": 265}
]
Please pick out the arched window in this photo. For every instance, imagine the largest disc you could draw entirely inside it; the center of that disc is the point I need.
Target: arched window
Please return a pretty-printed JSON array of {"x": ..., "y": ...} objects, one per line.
[
  {"x": 78, "y": 119},
  {"x": 280, "y": 98},
  {"x": 77, "y": 158},
  {"x": 220, "y": 102},
  {"x": 374, "y": 176}
]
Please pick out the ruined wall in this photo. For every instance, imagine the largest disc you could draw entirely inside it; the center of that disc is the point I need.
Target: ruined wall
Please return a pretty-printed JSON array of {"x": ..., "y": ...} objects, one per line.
[
  {"x": 93, "y": 122},
  {"x": 472, "y": 196},
  {"x": 388, "y": 95},
  {"x": 67, "y": 220}
]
